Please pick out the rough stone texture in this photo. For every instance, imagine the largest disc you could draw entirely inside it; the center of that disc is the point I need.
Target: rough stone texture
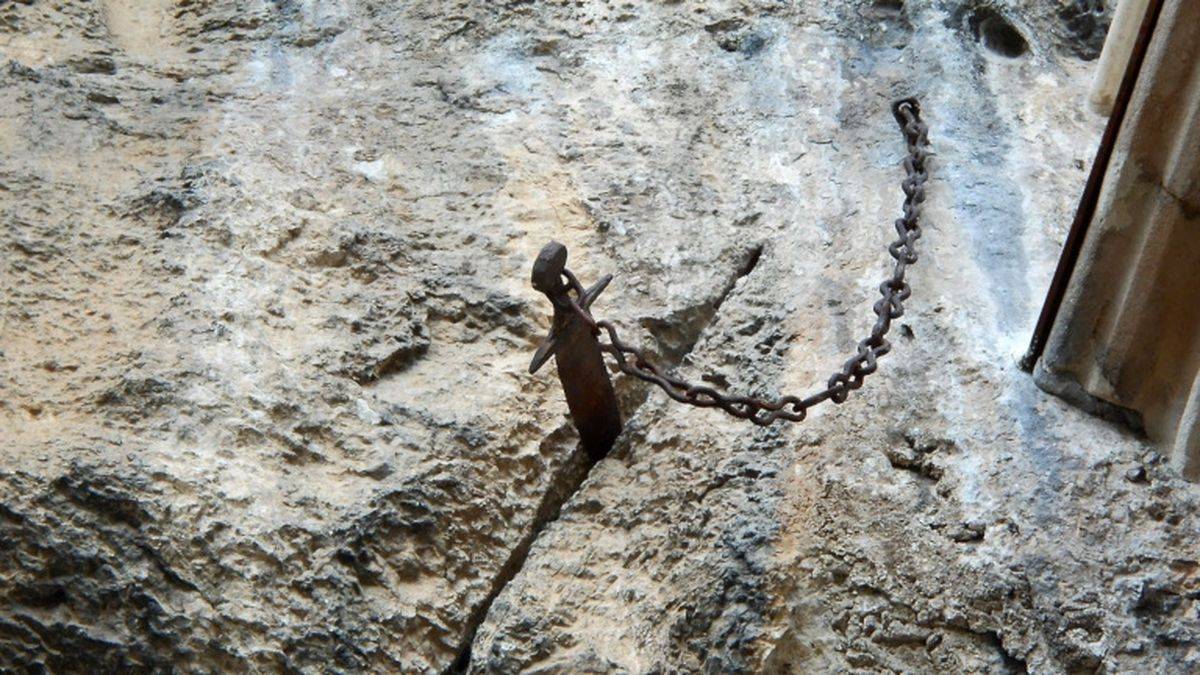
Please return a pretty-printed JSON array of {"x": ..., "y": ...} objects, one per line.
[{"x": 266, "y": 322}]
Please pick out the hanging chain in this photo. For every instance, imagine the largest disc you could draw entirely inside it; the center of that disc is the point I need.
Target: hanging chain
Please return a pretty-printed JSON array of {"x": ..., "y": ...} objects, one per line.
[{"x": 894, "y": 291}]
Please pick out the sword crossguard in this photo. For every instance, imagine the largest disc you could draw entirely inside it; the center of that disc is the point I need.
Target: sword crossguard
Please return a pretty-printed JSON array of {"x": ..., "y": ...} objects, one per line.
[{"x": 551, "y": 276}]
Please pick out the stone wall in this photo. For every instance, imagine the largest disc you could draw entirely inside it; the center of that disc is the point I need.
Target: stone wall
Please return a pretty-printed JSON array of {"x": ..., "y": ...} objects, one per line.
[{"x": 266, "y": 320}]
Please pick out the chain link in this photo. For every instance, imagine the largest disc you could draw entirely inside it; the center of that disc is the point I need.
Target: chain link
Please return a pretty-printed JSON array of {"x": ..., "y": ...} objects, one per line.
[{"x": 894, "y": 291}]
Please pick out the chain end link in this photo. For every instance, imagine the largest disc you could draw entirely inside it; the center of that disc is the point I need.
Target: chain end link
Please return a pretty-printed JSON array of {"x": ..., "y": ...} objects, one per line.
[{"x": 899, "y": 105}]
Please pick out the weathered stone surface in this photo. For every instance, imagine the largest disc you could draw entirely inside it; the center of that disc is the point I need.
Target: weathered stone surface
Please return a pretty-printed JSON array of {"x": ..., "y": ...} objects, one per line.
[
  {"x": 267, "y": 316},
  {"x": 1125, "y": 341}
]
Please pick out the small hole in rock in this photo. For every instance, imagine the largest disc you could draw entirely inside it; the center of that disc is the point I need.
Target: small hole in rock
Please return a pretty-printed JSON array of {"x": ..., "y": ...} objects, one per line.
[
  {"x": 997, "y": 34},
  {"x": 889, "y": 5}
]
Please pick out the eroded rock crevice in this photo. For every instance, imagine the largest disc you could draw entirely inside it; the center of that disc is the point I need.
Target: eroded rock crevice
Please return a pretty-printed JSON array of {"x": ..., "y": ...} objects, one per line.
[{"x": 565, "y": 483}]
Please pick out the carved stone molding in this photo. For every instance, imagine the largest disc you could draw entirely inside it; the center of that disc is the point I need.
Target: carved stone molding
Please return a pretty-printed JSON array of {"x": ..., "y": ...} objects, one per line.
[{"x": 1126, "y": 342}]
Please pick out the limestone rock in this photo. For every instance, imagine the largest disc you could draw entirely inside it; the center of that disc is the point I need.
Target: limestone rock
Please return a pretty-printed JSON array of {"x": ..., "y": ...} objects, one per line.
[{"x": 266, "y": 319}]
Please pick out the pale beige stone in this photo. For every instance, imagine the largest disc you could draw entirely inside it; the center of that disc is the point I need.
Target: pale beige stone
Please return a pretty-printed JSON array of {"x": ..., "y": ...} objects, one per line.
[
  {"x": 266, "y": 317},
  {"x": 1122, "y": 33},
  {"x": 1128, "y": 336}
]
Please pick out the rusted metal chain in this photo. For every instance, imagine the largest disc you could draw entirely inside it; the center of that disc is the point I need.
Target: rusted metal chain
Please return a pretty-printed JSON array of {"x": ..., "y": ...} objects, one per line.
[{"x": 894, "y": 291}]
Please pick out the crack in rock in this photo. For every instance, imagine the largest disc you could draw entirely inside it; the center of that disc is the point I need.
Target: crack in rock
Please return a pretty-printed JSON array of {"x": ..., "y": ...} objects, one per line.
[{"x": 575, "y": 470}]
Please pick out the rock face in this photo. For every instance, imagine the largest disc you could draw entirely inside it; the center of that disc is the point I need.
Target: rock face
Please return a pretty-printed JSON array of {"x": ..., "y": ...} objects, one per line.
[{"x": 267, "y": 318}]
